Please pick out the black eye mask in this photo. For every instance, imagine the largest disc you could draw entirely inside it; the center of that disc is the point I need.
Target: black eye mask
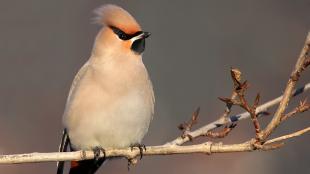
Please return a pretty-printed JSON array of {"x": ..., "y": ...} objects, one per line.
[
  {"x": 137, "y": 46},
  {"x": 122, "y": 35}
]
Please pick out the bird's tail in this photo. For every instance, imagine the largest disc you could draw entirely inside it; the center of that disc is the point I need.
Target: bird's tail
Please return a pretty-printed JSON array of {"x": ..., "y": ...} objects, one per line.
[
  {"x": 62, "y": 148},
  {"x": 85, "y": 167},
  {"x": 77, "y": 167}
]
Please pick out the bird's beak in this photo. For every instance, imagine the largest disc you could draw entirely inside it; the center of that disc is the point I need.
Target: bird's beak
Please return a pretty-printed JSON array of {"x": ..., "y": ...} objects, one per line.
[
  {"x": 146, "y": 34},
  {"x": 143, "y": 35}
]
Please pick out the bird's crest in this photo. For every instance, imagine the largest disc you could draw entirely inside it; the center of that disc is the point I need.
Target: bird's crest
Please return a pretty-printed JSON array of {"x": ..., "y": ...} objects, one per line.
[{"x": 112, "y": 15}]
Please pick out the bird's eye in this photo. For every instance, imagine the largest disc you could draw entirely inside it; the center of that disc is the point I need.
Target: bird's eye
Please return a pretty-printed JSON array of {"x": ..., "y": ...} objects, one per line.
[{"x": 122, "y": 36}]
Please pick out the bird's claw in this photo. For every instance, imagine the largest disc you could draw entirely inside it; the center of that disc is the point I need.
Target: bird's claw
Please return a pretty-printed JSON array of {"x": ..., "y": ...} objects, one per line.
[
  {"x": 141, "y": 148},
  {"x": 97, "y": 150}
]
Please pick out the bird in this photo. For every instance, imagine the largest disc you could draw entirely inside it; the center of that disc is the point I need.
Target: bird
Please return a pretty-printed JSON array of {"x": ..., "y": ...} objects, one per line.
[{"x": 111, "y": 99}]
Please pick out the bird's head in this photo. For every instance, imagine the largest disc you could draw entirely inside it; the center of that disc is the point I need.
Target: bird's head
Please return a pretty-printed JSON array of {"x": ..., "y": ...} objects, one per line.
[{"x": 120, "y": 32}]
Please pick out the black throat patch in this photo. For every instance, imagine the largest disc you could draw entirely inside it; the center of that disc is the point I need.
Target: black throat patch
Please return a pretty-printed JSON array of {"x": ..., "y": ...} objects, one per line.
[{"x": 138, "y": 46}]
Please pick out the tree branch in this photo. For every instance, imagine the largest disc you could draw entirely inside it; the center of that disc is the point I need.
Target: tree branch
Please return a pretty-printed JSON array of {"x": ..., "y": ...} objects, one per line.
[
  {"x": 302, "y": 107},
  {"x": 174, "y": 147},
  {"x": 234, "y": 118},
  {"x": 204, "y": 148},
  {"x": 285, "y": 137},
  {"x": 300, "y": 66}
]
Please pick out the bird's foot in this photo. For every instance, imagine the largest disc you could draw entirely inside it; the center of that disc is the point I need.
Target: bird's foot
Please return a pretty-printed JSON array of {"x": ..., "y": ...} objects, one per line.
[
  {"x": 141, "y": 148},
  {"x": 97, "y": 150}
]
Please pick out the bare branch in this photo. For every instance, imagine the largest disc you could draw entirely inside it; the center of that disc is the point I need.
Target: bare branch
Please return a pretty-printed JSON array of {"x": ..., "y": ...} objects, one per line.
[
  {"x": 299, "y": 67},
  {"x": 206, "y": 148},
  {"x": 186, "y": 127},
  {"x": 285, "y": 137},
  {"x": 302, "y": 107},
  {"x": 236, "y": 76},
  {"x": 234, "y": 118}
]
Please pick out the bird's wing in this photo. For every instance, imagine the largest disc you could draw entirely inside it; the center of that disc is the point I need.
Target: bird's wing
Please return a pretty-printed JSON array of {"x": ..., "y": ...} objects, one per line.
[
  {"x": 65, "y": 138},
  {"x": 152, "y": 95},
  {"x": 77, "y": 78}
]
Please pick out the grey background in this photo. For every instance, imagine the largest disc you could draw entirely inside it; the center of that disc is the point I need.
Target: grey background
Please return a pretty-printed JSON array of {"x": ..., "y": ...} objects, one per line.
[{"x": 192, "y": 47}]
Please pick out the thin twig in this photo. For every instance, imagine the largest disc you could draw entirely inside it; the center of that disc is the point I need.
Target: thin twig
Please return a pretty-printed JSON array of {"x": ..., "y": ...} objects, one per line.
[
  {"x": 236, "y": 76},
  {"x": 302, "y": 107},
  {"x": 238, "y": 99},
  {"x": 285, "y": 137},
  {"x": 250, "y": 109},
  {"x": 186, "y": 127}
]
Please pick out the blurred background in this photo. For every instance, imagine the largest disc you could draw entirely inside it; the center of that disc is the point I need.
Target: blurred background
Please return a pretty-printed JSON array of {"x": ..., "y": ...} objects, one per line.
[{"x": 189, "y": 55}]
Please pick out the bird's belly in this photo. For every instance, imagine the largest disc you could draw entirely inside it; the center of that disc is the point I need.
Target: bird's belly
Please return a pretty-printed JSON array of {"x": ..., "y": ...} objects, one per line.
[{"x": 120, "y": 124}]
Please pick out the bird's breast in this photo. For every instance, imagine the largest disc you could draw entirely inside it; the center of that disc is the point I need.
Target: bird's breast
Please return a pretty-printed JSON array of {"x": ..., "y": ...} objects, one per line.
[{"x": 110, "y": 109}]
